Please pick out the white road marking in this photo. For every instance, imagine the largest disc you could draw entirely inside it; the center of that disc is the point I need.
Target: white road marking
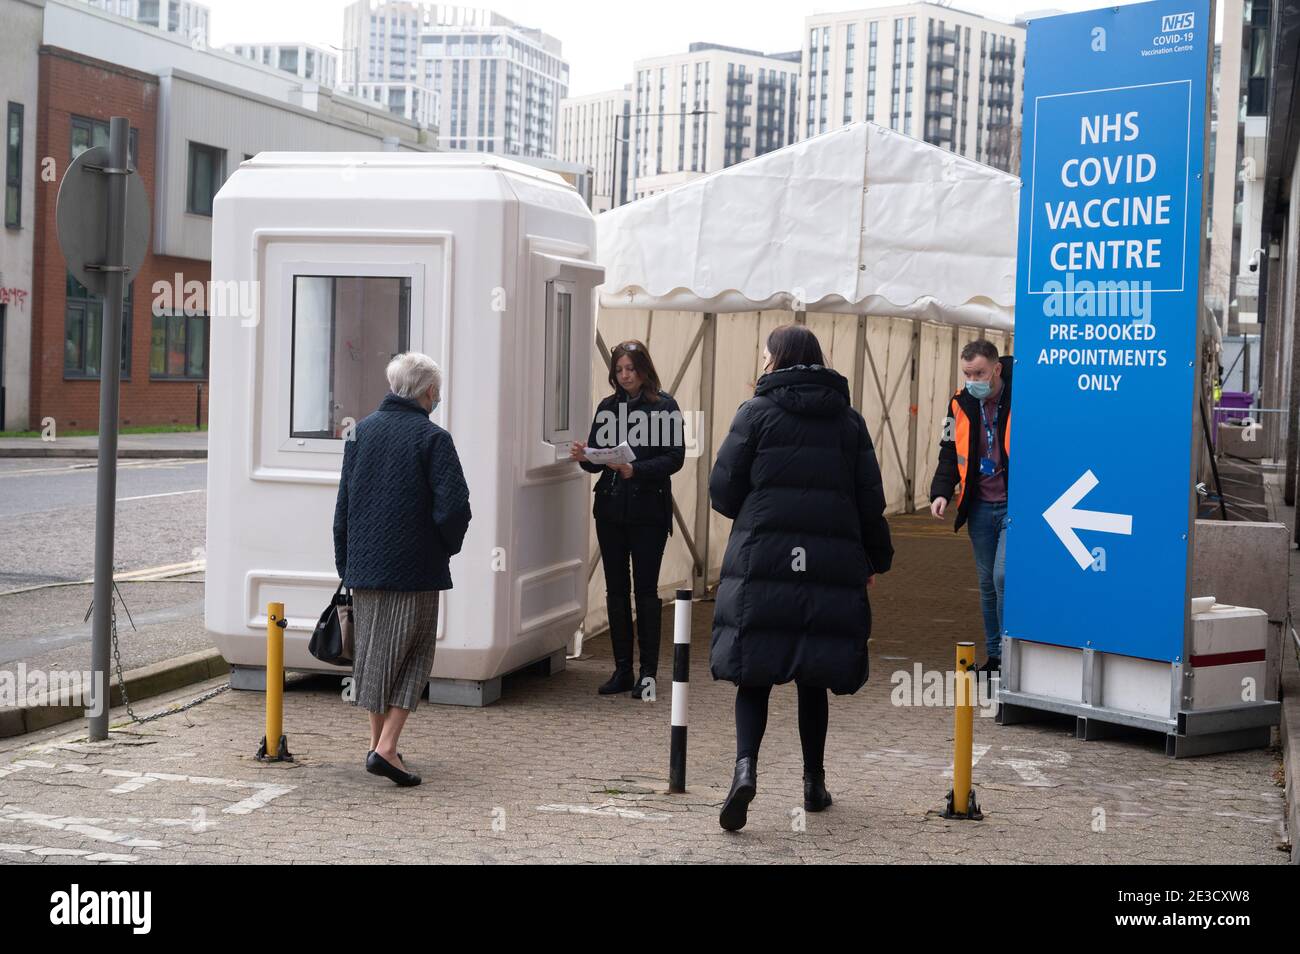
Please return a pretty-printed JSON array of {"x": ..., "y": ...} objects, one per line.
[
  {"x": 263, "y": 792},
  {"x": 42, "y": 851},
  {"x": 1029, "y": 768},
  {"x": 977, "y": 752},
  {"x": 87, "y": 827},
  {"x": 257, "y": 800},
  {"x": 605, "y": 808},
  {"x": 170, "y": 493}
]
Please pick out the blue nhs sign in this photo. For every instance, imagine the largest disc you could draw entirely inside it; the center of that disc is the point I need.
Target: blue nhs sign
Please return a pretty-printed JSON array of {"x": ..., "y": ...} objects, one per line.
[{"x": 1108, "y": 290}]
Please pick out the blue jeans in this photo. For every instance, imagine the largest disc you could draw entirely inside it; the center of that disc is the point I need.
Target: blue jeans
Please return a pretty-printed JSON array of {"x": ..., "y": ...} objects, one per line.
[{"x": 987, "y": 523}]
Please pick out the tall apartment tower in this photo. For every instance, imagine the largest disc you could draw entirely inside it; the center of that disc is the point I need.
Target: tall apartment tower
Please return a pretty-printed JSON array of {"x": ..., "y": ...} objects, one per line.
[
  {"x": 497, "y": 84},
  {"x": 303, "y": 60},
  {"x": 950, "y": 78},
  {"x": 594, "y": 131},
  {"x": 711, "y": 107}
]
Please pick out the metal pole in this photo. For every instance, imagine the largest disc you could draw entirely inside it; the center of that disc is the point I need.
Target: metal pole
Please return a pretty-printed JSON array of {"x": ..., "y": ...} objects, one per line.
[
  {"x": 613, "y": 158},
  {"x": 681, "y": 695},
  {"x": 961, "y": 800},
  {"x": 913, "y": 406},
  {"x": 110, "y": 363},
  {"x": 705, "y": 461}
]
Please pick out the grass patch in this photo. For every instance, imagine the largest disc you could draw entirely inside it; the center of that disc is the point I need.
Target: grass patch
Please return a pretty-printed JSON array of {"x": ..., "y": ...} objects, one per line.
[{"x": 129, "y": 429}]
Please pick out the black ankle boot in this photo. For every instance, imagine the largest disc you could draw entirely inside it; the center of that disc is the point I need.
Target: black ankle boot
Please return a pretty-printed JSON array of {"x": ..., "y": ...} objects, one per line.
[
  {"x": 744, "y": 784},
  {"x": 620, "y": 639},
  {"x": 815, "y": 796},
  {"x": 620, "y": 681}
]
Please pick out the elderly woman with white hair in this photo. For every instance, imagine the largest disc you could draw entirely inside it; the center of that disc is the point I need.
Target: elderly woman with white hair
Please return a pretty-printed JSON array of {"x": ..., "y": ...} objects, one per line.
[{"x": 402, "y": 513}]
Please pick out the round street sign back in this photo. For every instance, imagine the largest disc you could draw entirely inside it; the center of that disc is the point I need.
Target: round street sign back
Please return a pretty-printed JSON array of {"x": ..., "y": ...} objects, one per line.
[{"x": 81, "y": 216}]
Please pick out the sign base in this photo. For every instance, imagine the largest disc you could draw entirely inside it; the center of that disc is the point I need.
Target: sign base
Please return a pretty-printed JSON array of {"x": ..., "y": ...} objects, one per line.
[{"x": 1110, "y": 694}]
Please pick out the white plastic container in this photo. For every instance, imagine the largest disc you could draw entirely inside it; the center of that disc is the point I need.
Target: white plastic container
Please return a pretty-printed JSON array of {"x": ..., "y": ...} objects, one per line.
[
  {"x": 329, "y": 263},
  {"x": 1228, "y": 660}
]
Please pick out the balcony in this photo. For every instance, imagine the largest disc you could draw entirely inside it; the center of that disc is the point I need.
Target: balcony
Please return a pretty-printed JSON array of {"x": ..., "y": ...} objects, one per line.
[
  {"x": 945, "y": 36},
  {"x": 936, "y": 107},
  {"x": 943, "y": 61},
  {"x": 938, "y": 134},
  {"x": 1003, "y": 53}
]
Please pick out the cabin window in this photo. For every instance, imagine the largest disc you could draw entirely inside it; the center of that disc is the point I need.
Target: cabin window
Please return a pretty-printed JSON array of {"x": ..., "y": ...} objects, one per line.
[
  {"x": 559, "y": 364},
  {"x": 345, "y": 331}
]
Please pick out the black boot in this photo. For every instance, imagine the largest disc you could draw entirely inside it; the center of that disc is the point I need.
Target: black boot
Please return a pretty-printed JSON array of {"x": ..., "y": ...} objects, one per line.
[
  {"x": 649, "y": 625},
  {"x": 815, "y": 796},
  {"x": 735, "y": 810},
  {"x": 620, "y": 638}
]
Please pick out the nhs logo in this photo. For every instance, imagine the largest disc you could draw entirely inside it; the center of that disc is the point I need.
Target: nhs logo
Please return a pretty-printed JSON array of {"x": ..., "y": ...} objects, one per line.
[{"x": 1177, "y": 21}]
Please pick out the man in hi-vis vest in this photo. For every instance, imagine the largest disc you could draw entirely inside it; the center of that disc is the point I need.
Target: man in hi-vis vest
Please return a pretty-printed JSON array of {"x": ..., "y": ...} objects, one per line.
[{"x": 973, "y": 464}]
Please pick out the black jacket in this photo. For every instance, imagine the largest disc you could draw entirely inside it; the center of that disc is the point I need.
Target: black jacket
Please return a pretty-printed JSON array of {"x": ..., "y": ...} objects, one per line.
[
  {"x": 947, "y": 474},
  {"x": 799, "y": 476},
  {"x": 660, "y": 449},
  {"x": 403, "y": 505}
]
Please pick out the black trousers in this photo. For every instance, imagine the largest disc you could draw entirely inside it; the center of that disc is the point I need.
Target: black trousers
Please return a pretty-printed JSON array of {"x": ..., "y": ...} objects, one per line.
[
  {"x": 751, "y": 723},
  {"x": 643, "y": 547}
]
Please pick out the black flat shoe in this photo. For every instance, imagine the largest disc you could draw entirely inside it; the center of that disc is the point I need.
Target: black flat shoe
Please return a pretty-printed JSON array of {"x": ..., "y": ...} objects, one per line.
[
  {"x": 815, "y": 796},
  {"x": 744, "y": 785},
  {"x": 376, "y": 764},
  {"x": 621, "y": 681}
]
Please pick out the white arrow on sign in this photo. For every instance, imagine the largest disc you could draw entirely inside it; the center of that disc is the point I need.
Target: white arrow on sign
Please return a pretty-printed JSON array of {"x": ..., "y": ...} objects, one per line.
[{"x": 1064, "y": 519}]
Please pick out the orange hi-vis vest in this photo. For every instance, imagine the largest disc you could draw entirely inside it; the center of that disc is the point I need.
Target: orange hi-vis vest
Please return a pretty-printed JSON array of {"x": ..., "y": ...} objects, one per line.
[{"x": 962, "y": 433}]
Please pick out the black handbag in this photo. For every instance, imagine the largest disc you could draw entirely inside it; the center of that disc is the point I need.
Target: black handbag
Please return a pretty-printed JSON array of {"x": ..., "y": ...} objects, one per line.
[{"x": 331, "y": 642}]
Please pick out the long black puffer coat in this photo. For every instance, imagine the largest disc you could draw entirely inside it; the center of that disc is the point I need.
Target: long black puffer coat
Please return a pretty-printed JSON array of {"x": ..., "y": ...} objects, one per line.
[{"x": 799, "y": 476}]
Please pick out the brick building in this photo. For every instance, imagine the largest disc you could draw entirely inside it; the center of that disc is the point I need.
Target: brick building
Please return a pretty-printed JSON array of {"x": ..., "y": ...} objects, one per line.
[
  {"x": 195, "y": 114},
  {"x": 164, "y": 366}
]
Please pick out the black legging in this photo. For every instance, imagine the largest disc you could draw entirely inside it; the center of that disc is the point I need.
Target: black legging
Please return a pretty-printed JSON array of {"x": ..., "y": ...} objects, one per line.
[{"x": 751, "y": 722}]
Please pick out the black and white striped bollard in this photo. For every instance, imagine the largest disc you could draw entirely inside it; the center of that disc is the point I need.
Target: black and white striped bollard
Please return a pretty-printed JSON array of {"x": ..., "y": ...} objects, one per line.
[{"x": 681, "y": 683}]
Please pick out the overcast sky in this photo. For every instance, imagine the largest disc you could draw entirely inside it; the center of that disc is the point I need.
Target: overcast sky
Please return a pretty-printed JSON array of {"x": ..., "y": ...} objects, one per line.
[{"x": 601, "y": 38}]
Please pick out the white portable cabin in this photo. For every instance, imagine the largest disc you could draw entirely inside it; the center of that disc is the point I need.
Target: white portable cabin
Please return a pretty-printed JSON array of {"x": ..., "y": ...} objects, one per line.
[{"x": 324, "y": 266}]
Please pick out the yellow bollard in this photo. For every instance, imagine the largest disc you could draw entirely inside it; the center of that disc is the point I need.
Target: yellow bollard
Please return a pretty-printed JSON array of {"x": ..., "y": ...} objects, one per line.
[
  {"x": 274, "y": 745},
  {"x": 962, "y": 737}
]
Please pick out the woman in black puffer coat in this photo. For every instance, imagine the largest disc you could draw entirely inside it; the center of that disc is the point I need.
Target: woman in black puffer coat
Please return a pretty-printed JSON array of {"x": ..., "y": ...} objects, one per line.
[{"x": 798, "y": 475}]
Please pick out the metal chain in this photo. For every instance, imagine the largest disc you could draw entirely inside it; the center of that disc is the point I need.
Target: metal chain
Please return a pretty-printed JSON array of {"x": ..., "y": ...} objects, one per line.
[{"x": 121, "y": 682}]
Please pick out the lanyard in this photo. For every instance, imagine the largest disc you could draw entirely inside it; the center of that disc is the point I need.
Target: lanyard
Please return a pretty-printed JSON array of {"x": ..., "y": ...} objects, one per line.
[{"x": 991, "y": 430}]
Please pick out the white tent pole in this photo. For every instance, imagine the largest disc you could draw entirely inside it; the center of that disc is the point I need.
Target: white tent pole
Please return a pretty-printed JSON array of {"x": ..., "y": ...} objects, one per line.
[
  {"x": 705, "y": 461},
  {"x": 859, "y": 363}
]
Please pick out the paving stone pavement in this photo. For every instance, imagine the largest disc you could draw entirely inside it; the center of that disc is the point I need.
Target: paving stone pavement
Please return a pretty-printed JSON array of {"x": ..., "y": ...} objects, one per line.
[{"x": 554, "y": 773}]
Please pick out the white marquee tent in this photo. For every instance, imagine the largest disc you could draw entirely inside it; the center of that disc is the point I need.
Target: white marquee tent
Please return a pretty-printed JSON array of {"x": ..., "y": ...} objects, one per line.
[{"x": 894, "y": 252}]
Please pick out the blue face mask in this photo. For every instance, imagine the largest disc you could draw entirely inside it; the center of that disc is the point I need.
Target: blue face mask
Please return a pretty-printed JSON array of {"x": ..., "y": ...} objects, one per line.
[
  {"x": 434, "y": 407},
  {"x": 979, "y": 389}
]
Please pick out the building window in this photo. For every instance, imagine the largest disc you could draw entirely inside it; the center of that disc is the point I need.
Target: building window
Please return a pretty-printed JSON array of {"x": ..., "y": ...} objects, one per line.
[
  {"x": 14, "y": 166},
  {"x": 83, "y": 325},
  {"x": 207, "y": 172},
  {"x": 345, "y": 331},
  {"x": 179, "y": 346},
  {"x": 94, "y": 132}
]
